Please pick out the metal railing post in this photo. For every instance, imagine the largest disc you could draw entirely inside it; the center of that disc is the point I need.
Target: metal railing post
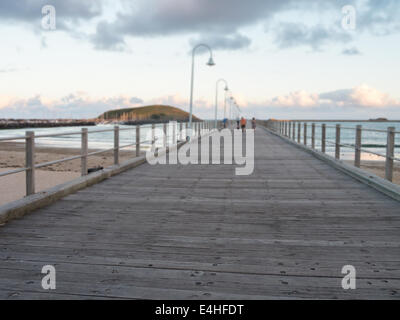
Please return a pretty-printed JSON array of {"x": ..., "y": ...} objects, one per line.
[
  {"x": 116, "y": 145},
  {"x": 30, "y": 162},
  {"x": 299, "y": 132},
  {"x": 290, "y": 129},
  {"x": 323, "y": 138},
  {"x": 357, "y": 154},
  {"x": 305, "y": 133},
  {"x": 313, "y": 136},
  {"x": 84, "y": 152},
  {"x": 165, "y": 135},
  {"x": 181, "y": 131},
  {"x": 137, "y": 140},
  {"x": 337, "y": 144},
  {"x": 390, "y": 153}
]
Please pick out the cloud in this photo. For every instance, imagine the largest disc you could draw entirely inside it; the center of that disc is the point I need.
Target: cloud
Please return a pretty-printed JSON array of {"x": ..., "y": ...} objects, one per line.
[
  {"x": 68, "y": 12},
  {"x": 296, "y": 99},
  {"x": 292, "y": 23},
  {"x": 106, "y": 39},
  {"x": 76, "y": 105},
  {"x": 362, "y": 96},
  {"x": 351, "y": 52},
  {"x": 360, "y": 102},
  {"x": 222, "y": 42},
  {"x": 289, "y": 35},
  {"x": 135, "y": 100}
]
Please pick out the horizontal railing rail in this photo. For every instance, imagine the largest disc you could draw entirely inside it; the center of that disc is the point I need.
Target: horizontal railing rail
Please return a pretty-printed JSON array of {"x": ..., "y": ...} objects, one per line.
[
  {"x": 199, "y": 128},
  {"x": 298, "y": 131}
]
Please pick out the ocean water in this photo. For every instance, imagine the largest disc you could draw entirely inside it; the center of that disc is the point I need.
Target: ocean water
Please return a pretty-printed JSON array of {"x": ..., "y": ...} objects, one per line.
[
  {"x": 97, "y": 140},
  {"x": 371, "y": 141}
]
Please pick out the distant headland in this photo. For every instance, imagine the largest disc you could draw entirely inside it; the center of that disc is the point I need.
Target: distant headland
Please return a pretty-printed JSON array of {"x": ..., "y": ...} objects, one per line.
[{"x": 147, "y": 114}]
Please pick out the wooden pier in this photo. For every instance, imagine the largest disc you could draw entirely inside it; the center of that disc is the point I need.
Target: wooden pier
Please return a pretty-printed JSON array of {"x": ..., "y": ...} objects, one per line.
[{"x": 201, "y": 232}]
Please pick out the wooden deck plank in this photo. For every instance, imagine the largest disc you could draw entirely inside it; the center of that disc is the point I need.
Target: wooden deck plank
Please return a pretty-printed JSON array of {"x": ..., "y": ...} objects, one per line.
[{"x": 200, "y": 232}]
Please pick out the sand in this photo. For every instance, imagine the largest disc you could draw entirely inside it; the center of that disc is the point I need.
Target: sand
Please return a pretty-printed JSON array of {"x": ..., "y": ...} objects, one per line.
[
  {"x": 12, "y": 156},
  {"x": 378, "y": 168},
  {"x": 12, "y": 187}
]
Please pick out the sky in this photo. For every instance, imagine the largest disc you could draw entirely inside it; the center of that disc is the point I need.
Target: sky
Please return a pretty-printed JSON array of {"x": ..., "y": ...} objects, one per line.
[{"x": 287, "y": 59}]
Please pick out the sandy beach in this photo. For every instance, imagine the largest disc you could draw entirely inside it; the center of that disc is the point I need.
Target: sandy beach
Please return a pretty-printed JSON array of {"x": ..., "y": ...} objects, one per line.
[
  {"x": 12, "y": 156},
  {"x": 378, "y": 168}
]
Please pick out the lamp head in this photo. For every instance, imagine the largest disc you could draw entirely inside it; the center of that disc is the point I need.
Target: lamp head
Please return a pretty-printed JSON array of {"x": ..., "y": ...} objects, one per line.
[
  {"x": 226, "y": 88},
  {"x": 211, "y": 62}
]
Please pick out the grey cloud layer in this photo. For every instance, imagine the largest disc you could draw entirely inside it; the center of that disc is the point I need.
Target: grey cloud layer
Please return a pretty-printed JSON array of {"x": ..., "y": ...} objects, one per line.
[
  {"x": 217, "y": 21},
  {"x": 29, "y": 11}
]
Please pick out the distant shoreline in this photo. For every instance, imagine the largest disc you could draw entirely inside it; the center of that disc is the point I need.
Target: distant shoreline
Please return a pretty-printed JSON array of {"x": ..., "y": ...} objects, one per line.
[{"x": 22, "y": 125}]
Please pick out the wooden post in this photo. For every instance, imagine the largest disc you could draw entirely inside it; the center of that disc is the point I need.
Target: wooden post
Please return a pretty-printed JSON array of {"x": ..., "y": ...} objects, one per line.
[
  {"x": 30, "y": 162},
  {"x": 313, "y": 136},
  {"x": 390, "y": 153},
  {"x": 165, "y": 135},
  {"x": 323, "y": 138},
  {"x": 153, "y": 136},
  {"x": 116, "y": 145},
  {"x": 294, "y": 131},
  {"x": 337, "y": 144},
  {"x": 137, "y": 140},
  {"x": 84, "y": 152},
  {"x": 357, "y": 154},
  {"x": 299, "y": 132},
  {"x": 305, "y": 134}
]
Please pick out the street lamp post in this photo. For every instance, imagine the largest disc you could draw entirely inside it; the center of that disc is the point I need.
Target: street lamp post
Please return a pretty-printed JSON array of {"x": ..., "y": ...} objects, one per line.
[
  {"x": 216, "y": 98},
  {"x": 209, "y": 63},
  {"x": 230, "y": 109},
  {"x": 226, "y": 93}
]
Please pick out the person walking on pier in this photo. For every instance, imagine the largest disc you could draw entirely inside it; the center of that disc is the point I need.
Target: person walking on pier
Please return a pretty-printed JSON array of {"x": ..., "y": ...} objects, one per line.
[
  {"x": 253, "y": 123},
  {"x": 225, "y": 122},
  {"x": 243, "y": 123}
]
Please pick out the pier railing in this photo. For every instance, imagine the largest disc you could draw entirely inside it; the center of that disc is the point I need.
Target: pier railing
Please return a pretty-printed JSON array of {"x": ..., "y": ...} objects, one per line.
[
  {"x": 30, "y": 141},
  {"x": 298, "y": 132}
]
